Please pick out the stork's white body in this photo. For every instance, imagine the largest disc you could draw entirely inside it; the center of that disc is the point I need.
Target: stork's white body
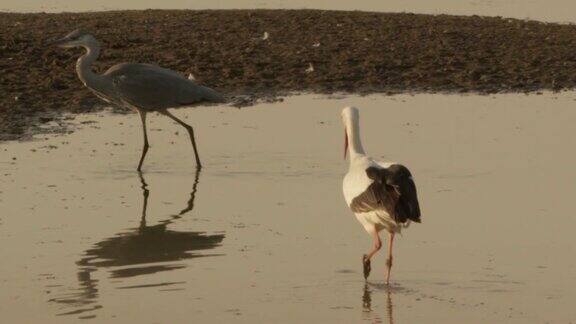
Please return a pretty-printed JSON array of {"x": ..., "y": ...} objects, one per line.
[{"x": 355, "y": 183}]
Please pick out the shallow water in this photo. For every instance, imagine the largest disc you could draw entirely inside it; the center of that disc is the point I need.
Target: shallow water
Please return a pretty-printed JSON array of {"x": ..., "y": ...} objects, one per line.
[
  {"x": 544, "y": 10},
  {"x": 262, "y": 233}
]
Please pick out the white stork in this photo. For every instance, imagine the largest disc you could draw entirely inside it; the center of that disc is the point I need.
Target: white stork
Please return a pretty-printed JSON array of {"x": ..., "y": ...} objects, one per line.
[{"x": 382, "y": 195}]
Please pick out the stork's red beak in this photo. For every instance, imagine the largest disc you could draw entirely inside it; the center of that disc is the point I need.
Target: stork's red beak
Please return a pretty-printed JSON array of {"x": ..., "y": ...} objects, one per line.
[{"x": 345, "y": 143}]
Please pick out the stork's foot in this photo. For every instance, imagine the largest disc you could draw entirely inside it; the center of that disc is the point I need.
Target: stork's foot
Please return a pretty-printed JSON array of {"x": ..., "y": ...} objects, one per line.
[
  {"x": 388, "y": 269},
  {"x": 367, "y": 267}
]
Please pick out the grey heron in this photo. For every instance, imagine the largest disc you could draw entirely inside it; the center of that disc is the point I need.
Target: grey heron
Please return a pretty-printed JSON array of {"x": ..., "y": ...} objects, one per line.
[{"x": 141, "y": 87}]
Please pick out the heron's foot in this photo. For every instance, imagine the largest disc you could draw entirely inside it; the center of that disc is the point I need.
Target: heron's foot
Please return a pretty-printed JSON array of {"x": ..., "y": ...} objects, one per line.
[{"x": 367, "y": 267}]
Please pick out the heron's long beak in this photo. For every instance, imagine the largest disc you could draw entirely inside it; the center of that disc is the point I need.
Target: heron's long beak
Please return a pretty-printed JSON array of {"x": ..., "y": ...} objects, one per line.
[
  {"x": 345, "y": 143},
  {"x": 57, "y": 42}
]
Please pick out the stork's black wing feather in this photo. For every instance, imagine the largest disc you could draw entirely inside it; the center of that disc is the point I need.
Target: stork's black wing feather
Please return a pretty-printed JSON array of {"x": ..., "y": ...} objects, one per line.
[
  {"x": 378, "y": 196},
  {"x": 392, "y": 190},
  {"x": 407, "y": 207}
]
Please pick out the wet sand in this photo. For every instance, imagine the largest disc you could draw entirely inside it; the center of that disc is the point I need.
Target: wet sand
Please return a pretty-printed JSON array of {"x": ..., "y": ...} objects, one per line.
[
  {"x": 306, "y": 51},
  {"x": 263, "y": 234}
]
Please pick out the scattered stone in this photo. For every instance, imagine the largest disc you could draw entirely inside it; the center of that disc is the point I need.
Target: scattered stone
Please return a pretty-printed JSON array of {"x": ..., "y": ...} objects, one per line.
[{"x": 360, "y": 52}]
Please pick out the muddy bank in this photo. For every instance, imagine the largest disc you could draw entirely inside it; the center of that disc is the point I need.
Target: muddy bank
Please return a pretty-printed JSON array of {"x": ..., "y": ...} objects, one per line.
[
  {"x": 71, "y": 211},
  {"x": 305, "y": 50}
]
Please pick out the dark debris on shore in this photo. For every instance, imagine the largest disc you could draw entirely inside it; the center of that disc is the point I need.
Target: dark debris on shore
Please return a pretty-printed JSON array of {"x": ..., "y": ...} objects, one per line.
[{"x": 304, "y": 51}]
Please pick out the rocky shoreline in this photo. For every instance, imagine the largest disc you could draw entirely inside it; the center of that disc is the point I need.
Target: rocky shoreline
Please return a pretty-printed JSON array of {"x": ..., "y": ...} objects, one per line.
[{"x": 261, "y": 54}]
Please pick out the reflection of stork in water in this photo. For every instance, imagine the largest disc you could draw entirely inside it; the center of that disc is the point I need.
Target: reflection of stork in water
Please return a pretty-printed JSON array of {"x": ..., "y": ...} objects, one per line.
[
  {"x": 367, "y": 304},
  {"x": 143, "y": 250}
]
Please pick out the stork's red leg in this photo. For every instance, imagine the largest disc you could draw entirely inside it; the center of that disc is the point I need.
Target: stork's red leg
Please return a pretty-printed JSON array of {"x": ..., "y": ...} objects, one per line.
[
  {"x": 389, "y": 259},
  {"x": 366, "y": 257}
]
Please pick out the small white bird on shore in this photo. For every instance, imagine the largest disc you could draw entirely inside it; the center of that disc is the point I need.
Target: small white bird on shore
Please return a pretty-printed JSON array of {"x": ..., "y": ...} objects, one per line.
[
  {"x": 310, "y": 68},
  {"x": 382, "y": 195}
]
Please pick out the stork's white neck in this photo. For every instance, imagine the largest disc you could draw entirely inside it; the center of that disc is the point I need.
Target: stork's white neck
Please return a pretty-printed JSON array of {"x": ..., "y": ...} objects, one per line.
[{"x": 352, "y": 124}]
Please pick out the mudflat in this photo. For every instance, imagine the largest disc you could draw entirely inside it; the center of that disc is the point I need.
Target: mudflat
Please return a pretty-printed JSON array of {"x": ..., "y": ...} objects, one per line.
[
  {"x": 260, "y": 54},
  {"x": 262, "y": 234}
]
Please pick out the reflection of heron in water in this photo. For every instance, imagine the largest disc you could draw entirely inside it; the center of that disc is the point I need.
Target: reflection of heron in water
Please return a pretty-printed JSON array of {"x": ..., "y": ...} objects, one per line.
[
  {"x": 367, "y": 304},
  {"x": 150, "y": 244},
  {"x": 140, "y": 251}
]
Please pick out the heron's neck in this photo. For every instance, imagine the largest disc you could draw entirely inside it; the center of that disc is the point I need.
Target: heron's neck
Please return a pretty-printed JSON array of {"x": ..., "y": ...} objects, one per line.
[
  {"x": 84, "y": 65},
  {"x": 355, "y": 148}
]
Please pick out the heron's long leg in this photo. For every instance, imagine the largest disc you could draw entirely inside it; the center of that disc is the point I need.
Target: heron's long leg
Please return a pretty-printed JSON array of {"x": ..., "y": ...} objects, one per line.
[
  {"x": 389, "y": 259},
  {"x": 145, "y": 193},
  {"x": 146, "y": 146},
  {"x": 190, "y": 131}
]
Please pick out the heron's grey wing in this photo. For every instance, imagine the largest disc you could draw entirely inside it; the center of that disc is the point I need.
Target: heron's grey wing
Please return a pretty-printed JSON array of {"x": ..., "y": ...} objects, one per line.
[
  {"x": 378, "y": 196},
  {"x": 407, "y": 207},
  {"x": 151, "y": 87}
]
